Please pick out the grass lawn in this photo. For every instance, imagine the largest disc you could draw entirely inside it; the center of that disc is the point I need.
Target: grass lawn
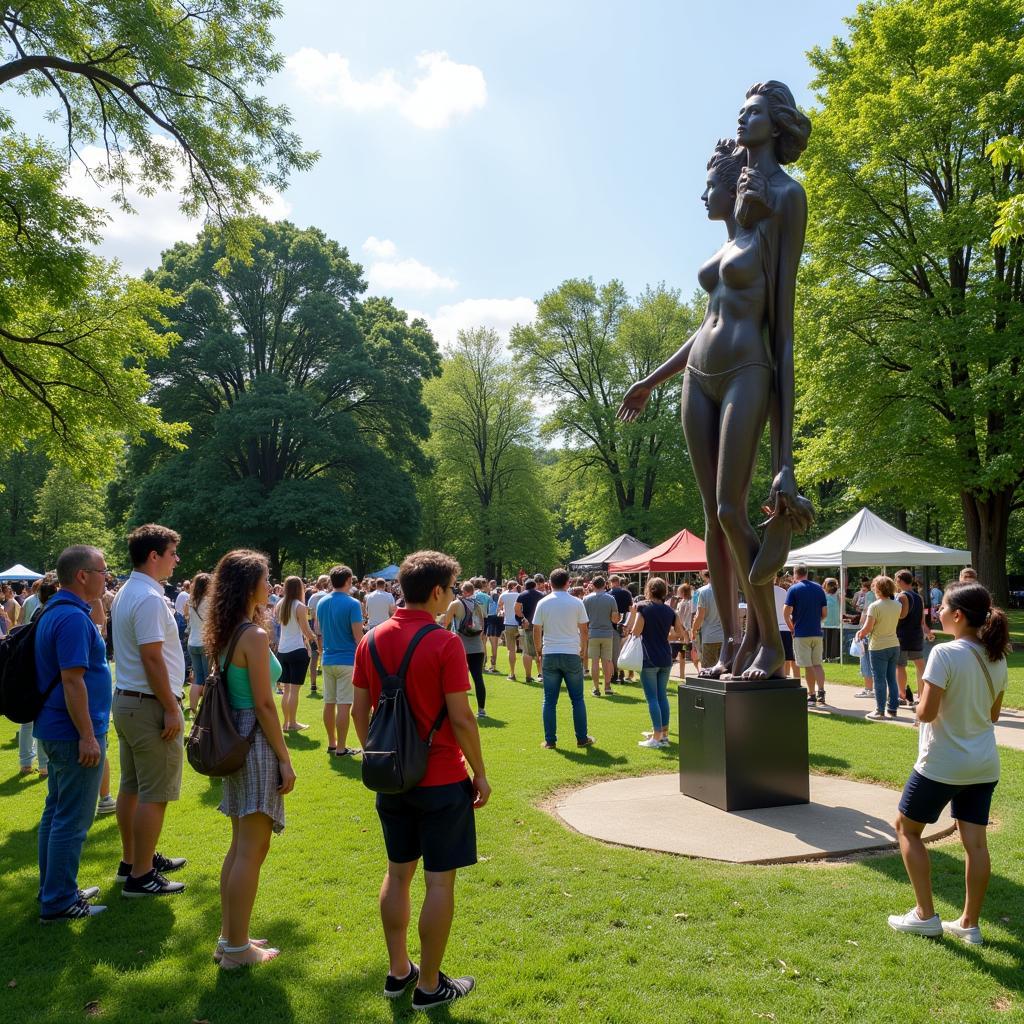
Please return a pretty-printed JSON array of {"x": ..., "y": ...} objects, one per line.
[
  {"x": 849, "y": 673},
  {"x": 555, "y": 926}
]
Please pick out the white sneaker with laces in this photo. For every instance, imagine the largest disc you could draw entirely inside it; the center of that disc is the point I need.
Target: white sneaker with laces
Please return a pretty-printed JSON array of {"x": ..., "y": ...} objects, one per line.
[
  {"x": 911, "y": 922},
  {"x": 652, "y": 743},
  {"x": 972, "y": 936}
]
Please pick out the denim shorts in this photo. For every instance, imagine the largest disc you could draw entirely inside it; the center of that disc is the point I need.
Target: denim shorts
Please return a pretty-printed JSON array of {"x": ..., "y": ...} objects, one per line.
[{"x": 924, "y": 799}]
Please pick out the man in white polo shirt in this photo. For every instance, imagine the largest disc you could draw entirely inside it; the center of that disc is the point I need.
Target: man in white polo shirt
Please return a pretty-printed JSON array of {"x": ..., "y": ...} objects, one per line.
[
  {"x": 561, "y": 621},
  {"x": 147, "y": 711},
  {"x": 380, "y": 605}
]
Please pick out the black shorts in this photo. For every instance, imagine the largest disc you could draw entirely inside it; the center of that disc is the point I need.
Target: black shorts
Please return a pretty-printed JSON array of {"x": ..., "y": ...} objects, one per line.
[
  {"x": 294, "y": 666},
  {"x": 787, "y": 643},
  {"x": 676, "y": 648},
  {"x": 436, "y": 823},
  {"x": 493, "y": 625},
  {"x": 924, "y": 799}
]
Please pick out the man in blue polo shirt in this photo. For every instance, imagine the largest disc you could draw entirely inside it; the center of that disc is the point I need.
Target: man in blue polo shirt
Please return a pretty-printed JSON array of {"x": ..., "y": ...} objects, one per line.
[
  {"x": 72, "y": 728},
  {"x": 805, "y": 608}
]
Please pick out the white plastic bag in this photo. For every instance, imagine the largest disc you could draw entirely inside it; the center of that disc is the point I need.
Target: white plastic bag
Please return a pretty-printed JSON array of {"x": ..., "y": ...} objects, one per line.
[
  {"x": 856, "y": 648},
  {"x": 631, "y": 657}
]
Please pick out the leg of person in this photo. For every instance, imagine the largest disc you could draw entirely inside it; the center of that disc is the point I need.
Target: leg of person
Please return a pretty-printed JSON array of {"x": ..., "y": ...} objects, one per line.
[
  {"x": 915, "y": 860},
  {"x": 878, "y": 667},
  {"x": 435, "y": 925},
  {"x": 225, "y": 878},
  {"x": 606, "y": 662},
  {"x": 572, "y": 671},
  {"x": 330, "y": 681},
  {"x": 123, "y": 714},
  {"x": 616, "y": 651},
  {"x": 476, "y": 670},
  {"x": 511, "y": 642},
  {"x": 977, "y": 870},
  {"x": 649, "y": 682},
  {"x": 890, "y": 680},
  {"x": 251, "y": 846},
  {"x": 595, "y": 672},
  {"x": 74, "y": 790},
  {"x": 314, "y": 665},
  {"x": 26, "y": 748},
  {"x": 663, "y": 702},
  {"x": 552, "y": 679},
  {"x": 395, "y": 912},
  {"x": 344, "y": 706}
]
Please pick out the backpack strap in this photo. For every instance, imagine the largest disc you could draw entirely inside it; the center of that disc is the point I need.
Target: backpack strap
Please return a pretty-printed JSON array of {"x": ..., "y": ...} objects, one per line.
[
  {"x": 985, "y": 671},
  {"x": 403, "y": 668}
]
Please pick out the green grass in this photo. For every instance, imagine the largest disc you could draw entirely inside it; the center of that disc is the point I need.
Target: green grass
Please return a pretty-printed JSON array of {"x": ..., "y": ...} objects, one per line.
[
  {"x": 557, "y": 927},
  {"x": 849, "y": 673}
]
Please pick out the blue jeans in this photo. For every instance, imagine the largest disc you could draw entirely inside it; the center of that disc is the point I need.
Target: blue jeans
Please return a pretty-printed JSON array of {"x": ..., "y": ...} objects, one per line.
[
  {"x": 199, "y": 668},
  {"x": 883, "y": 671},
  {"x": 67, "y": 814},
  {"x": 655, "y": 684},
  {"x": 27, "y": 748},
  {"x": 568, "y": 667}
]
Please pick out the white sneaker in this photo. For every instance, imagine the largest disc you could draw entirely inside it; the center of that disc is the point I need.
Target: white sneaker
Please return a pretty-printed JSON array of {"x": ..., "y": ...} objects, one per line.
[
  {"x": 910, "y": 922},
  {"x": 652, "y": 743},
  {"x": 972, "y": 936},
  {"x": 876, "y": 716},
  {"x": 664, "y": 743},
  {"x": 864, "y": 693}
]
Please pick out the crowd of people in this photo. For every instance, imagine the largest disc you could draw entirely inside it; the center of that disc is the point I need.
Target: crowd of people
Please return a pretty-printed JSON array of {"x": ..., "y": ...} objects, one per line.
[{"x": 263, "y": 641}]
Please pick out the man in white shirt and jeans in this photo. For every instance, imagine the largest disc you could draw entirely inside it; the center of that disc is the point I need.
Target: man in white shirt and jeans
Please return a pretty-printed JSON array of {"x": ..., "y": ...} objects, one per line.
[
  {"x": 147, "y": 711},
  {"x": 380, "y": 605},
  {"x": 560, "y": 624}
]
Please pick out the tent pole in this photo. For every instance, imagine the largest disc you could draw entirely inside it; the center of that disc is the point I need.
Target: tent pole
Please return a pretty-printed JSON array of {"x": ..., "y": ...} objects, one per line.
[{"x": 842, "y": 609}]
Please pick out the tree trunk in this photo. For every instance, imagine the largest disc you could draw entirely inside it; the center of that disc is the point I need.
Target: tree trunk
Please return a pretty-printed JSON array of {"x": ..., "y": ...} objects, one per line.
[
  {"x": 987, "y": 519},
  {"x": 274, "y": 557}
]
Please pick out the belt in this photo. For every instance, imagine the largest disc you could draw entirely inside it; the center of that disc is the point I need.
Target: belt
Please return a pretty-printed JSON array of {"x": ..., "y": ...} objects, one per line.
[{"x": 142, "y": 696}]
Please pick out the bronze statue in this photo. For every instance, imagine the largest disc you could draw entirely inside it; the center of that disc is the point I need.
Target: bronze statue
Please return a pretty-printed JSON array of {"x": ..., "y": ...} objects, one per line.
[{"x": 739, "y": 371}]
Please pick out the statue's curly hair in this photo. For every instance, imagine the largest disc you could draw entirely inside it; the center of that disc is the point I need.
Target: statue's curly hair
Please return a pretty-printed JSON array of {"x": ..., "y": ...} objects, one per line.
[
  {"x": 727, "y": 162},
  {"x": 794, "y": 126}
]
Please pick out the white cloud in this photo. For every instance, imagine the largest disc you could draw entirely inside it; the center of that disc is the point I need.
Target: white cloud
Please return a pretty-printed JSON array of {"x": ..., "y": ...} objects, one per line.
[
  {"x": 500, "y": 314},
  {"x": 439, "y": 91},
  {"x": 137, "y": 239},
  {"x": 387, "y": 273},
  {"x": 382, "y": 248}
]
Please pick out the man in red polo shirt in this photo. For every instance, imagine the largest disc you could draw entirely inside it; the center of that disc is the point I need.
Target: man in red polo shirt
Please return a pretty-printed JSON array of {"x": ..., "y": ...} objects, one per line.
[{"x": 435, "y": 820}]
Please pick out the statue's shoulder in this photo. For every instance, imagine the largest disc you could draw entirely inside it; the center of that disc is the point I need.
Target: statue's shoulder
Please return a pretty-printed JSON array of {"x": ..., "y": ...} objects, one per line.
[{"x": 788, "y": 191}]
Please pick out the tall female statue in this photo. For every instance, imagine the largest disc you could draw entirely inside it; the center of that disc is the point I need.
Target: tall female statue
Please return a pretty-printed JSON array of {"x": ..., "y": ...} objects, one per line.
[{"x": 739, "y": 371}]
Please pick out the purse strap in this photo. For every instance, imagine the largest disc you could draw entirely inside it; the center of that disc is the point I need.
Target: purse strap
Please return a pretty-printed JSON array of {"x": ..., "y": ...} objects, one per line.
[
  {"x": 233, "y": 643},
  {"x": 984, "y": 669}
]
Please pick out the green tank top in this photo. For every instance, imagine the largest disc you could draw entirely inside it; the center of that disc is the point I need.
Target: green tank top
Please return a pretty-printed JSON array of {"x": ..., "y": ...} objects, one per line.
[{"x": 239, "y": 687}]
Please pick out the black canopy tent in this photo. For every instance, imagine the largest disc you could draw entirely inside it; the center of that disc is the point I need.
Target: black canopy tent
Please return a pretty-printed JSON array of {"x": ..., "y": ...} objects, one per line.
[{"x": 622, "y": 548}]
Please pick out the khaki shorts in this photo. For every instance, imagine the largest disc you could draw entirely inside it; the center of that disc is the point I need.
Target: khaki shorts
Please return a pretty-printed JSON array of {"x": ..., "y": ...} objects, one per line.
[
  {"x": 710, "y": 653},
  {"x": 511, "y": 636},
  {"x": 150, "y": 767},
  {"x": 337, "y": 683},
  {"x": 807, "y": 650},
  {"x": 529, "y": 647},
  {"x": 602, "y": 647}
]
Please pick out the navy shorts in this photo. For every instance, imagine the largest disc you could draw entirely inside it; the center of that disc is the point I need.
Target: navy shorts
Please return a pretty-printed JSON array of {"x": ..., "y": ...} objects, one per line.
[
  {"x": 493, "y": 625},
  {"x": 437, "y": 823},
  {"x": 924, "y": 799},
  {"x": 787, "y": 643}
]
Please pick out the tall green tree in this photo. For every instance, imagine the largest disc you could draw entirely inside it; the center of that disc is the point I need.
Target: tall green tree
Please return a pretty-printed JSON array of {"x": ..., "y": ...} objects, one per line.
[
  {"x": 912, "y": 318},
  {"x": 587, "y": 345},
  {"x": 484, "y": 496},
  {"x": 304, "y": 401},
  {"x": 163, "y": 88}
]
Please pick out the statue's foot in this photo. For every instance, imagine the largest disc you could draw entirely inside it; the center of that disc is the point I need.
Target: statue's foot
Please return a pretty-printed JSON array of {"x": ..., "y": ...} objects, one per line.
[
  {"x": 767, "y": 664},
  {"x": 774, "y": 550}
]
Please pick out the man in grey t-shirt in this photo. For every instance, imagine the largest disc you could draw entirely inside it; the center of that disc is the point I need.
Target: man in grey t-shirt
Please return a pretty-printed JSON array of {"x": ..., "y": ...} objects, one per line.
[
  {"x": 707, "y": 621},
  {"x": 603, "y": 614}
]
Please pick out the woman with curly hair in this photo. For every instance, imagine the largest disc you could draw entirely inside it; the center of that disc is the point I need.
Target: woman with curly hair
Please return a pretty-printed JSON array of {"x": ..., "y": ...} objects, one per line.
[{"x": 235, "y": 639}]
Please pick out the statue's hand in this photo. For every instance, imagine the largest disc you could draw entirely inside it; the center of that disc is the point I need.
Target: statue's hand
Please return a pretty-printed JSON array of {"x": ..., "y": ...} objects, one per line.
[
  {"x": 634, "y": 401},
  {"x": 786, "y": 500}
]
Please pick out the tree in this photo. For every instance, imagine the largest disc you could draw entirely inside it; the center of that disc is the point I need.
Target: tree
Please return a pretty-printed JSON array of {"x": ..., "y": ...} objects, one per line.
[
  {"x": 160, "y": 87},
  {"x": 484, "y": 494},
  {"x": 304, "y": 402},
  {"x": 912, "y": 318},
  {"x": 586, "y": 347}
]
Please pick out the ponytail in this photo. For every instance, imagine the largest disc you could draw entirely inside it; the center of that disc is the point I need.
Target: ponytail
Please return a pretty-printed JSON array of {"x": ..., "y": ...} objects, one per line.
[
  {"x": 974, "y": 602},
  {"x": 995, "y": 634}
]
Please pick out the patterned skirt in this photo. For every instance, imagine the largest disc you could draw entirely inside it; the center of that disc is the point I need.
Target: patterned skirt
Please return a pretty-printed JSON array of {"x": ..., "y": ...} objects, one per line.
[{"x": 253, "y": 788}]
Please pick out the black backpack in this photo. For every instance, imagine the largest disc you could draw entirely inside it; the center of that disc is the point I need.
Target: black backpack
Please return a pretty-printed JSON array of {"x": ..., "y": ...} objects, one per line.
[
  {"x": 394, "y": 756},
  {"x": 21, "y": 700},
  {"x": 467, "y": 624}
]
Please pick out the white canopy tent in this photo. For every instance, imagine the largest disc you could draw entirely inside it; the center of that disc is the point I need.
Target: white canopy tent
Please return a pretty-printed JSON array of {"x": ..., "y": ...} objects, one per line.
[
  {"x": 868, "y": 540},
  {"x": 19, "y": 572}
]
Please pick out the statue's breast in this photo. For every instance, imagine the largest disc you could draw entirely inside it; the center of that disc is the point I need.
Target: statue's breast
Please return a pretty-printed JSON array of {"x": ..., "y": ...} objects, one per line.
[
  {"x": 741, "y": 264},
  {"x": 707, "y": 276}
]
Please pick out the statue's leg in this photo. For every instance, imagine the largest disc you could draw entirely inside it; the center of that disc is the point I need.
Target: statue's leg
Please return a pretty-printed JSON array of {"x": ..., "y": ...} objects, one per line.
[
  {"x": 744, "y": 413},
  {"x": 701, "y": 427}
]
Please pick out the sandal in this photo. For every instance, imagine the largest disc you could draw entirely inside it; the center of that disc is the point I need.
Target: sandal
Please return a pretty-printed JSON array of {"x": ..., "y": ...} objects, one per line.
[
  {"x": 346, "y": 752},
  {"x": 229, "y": 960},
  {"x": 331, "y": 750},
  {"x": 218, "y": 953},
  {"x": 596, "y": 692}
]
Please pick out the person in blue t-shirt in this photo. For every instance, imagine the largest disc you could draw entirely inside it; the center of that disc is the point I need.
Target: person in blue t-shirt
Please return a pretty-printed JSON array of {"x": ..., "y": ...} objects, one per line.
[
  {"x": 340, "y": 617},
  {"x": 806, "y": 606},
  {"x": 72, "y": 729}
]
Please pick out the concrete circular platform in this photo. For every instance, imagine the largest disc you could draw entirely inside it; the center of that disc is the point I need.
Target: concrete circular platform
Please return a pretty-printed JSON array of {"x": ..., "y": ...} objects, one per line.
[{"x": 650, "y": 813}]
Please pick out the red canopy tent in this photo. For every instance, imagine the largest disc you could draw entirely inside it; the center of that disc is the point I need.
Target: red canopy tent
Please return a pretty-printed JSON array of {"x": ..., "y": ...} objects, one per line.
[{"x": 682, "y": 552}]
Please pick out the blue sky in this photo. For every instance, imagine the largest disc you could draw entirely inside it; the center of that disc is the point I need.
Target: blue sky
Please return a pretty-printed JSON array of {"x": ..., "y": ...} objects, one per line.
[{"x": 488, "y": 152}]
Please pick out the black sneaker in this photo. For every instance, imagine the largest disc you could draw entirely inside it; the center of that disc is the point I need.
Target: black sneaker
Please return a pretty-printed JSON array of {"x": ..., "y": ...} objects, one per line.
[
  {"x": 811, "y": 699},
  {"x": 164, "y": 864},
  {"x": 447, "y": 991},
  {"x": 821, "y": 697},
  {"x": 153, "y": 884},
  {"x": 80, "y": 908},
  {"x": 124, "y": 870},
  {"x": 395, "y": 987}
]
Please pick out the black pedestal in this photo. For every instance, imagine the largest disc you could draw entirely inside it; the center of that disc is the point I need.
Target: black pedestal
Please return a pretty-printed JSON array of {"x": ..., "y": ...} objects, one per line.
[{"x": 743, "y": 744}]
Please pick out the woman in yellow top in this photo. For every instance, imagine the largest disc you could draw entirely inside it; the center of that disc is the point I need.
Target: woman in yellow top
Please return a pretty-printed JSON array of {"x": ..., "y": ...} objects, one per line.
[
  {"x": 884, "y": 647},
  {"x": 253, "y": 795}
]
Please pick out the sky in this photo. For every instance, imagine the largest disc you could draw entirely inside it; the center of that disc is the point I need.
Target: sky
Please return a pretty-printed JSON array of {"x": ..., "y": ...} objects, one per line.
[{"x": 475, "y": 155}]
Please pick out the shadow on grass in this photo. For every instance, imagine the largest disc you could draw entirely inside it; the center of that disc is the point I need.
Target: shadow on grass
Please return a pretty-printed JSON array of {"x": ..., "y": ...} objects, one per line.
[
  {"x": 213, "y": 793},
  {"x": 11, "y": 744},
  {"x": 348, "y": 766},
  {"x": 948, "y": 885},
  {"x": 618, "y": 697},
  {"x": 300, "y": 741},
  {"x": 18, "y": 780},
  {"x": 490, "y": 722},
  {"x": 594, "y": 756},
  {"x": 827, "y": 761}
]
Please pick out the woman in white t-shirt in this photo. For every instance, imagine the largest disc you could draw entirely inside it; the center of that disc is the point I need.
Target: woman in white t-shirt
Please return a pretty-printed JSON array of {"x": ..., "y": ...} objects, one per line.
[
  {"x": 293, "y": 649},
  {"x": 194, "y": 612},
  {"x": 957, "y": 761}
]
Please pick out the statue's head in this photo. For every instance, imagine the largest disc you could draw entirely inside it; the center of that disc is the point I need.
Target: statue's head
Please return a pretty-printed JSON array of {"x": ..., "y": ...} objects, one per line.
[
  {"x": 770, "y": 113},
  {"x": 724, "y": 169}
]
